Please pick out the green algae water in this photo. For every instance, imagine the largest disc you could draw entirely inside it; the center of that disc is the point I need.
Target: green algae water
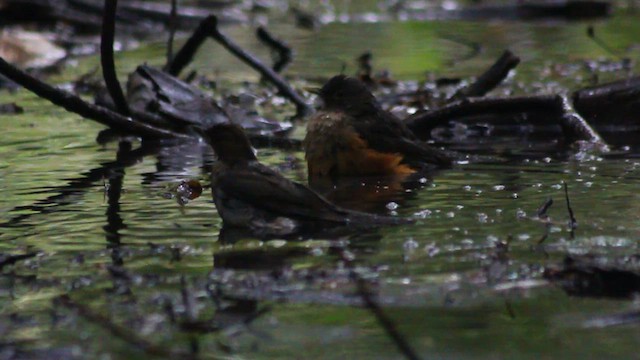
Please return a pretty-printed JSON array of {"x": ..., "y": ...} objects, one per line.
[{"x": 144, "y": 276}]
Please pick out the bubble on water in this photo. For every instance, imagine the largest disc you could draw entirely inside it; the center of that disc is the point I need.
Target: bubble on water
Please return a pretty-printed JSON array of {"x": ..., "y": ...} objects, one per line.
[
  {"x": 524, "y": 237},
  {"x": 466, "y": 188},
  {"x": 498, "y": 187},
  {"x": 450, "y": 214},
  {"x": 392, "y": 206},
  {"x": 432, "y": 250},
  {"x": 410, "y": 245},
  {"x": 482, "y": 217}
]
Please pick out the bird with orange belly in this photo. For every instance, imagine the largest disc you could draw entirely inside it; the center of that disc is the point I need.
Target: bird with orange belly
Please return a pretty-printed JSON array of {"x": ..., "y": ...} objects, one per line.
[
  {"x": 353, "y": 136},
  {"x": 250, "y": 195}
]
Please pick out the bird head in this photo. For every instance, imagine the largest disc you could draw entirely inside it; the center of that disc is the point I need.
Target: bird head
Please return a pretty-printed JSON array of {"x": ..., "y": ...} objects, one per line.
[
  {"x": 230, "y": 143},
  {"x": 347, "y": 94}
]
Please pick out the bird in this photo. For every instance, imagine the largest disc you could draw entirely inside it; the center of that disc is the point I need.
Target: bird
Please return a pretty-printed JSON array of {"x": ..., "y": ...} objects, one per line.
[
  {"x": 248, "y": 194},
  {"x": 351, "y": 135}
]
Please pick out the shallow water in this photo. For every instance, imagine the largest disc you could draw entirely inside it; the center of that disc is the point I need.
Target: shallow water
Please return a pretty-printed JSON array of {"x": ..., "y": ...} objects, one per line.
[{"x": 442, "y": 280}]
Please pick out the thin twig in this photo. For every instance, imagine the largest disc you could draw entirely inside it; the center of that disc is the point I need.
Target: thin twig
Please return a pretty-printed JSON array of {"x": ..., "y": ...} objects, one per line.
[
  {"x": 184, "y": 56},
  {"x": 76, "y": 105},
  {"x": 573, "y": 224},
  {"x": 591, "y": 34},
  {"x": 106, "y": 57},
  {"x": 285, "y": 54},
  {"x": 302, "y": 107},
  {"x": 542, "y": 210},
  {"x": 173, "y": 22},
  {"x": 209, "y": 27}
]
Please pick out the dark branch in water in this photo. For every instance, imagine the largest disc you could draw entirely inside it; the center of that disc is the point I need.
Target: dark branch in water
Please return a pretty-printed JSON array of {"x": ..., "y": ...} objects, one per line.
[
  {"x": 573, "y": 224},
  {"x": 118, "y": 331},
  {"x": 370, "y": 303},
  {"x": 616, "y": 100},
  {"x": 422, "y": 123},
  {"x": 209, "y": 27},
  {"x": 285, "y": 54},
  {"x": 574, "y": 127},
  {"x": 184, "y": 56},
  {"x": 490, "y": 78},
  {"x": 106, "y": 57},
  {"x": 76, "y": 105}
]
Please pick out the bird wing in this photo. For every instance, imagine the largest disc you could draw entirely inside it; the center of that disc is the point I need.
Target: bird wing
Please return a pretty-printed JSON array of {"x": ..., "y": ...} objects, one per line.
[
  {"x": 268, "y": 190},
  {"x": 386, "y": 133}
]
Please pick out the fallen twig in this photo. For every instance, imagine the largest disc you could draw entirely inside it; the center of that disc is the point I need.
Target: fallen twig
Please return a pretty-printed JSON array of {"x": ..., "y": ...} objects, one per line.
[
  {"x": 209, "y": 27},
  {"x": 106, "y": 57},
  {"x": 574, "y": 127},
  {"x": 490, "y": 78},
  {"x": 422, "y": 123}
]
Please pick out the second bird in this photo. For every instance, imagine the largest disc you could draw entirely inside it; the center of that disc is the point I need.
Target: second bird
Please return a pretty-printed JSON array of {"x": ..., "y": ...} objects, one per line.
[{"x": 352, "y": 135}]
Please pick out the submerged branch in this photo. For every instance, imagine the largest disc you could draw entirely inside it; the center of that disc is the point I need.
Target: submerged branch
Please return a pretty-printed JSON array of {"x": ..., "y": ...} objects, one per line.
[
  {"x": 557, "y": 107},
  {"x": 422, "y": 123}
]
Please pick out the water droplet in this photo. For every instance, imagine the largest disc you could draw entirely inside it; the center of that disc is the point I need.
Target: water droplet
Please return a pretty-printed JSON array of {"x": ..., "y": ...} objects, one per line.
[
  {"x": 423, "y": 214},
  {"x": 392, "y": 206}
]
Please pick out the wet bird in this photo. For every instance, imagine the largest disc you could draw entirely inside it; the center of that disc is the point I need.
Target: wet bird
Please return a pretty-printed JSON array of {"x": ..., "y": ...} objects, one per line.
[
  {"x": 352, "y": 135},
  {"x": 250, "y": 195}
]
